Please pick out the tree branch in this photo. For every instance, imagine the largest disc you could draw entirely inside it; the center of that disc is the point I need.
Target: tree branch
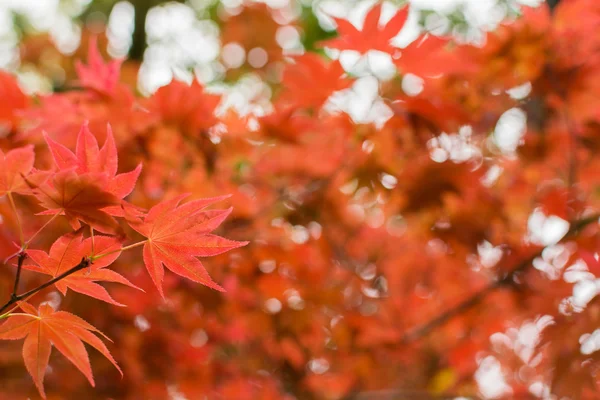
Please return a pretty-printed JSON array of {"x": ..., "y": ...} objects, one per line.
[
  {"x": 552, "y": 4},
  {"x": 478, "y": 297},
  {"x": 20, "y": 259},
  {"x": 15, "y": 298}
]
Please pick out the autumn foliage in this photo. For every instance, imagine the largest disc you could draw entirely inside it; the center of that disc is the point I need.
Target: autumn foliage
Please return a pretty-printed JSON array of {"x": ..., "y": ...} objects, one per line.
[{"x": 449, "y": 241}]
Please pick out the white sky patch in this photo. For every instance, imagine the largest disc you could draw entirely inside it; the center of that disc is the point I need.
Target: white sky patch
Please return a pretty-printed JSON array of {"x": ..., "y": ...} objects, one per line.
[
  {"x": 120, "y": 28},
  {"x": 456, "y": 147},
  {"x": 510, "y": 130},
  {"x": 584, "y": 291},
  {"x": 273, "y": 306},
  {"x": 546, "y": 230},
  {"x": 523, "y": 340},
  {"x": 412, "y": 85},
  {"x": 590, "y": 343},
  {"x": 490, "y": 378},
  {"x": 520, "y": 92},
  {"x": 489, "y": 255},
  {"x": 553, "y": 260},
  {"x": 586, "y": 287},
  {"x": 577, "y": 272},
  {"x": 492, "y": 175},
  {"x": 362, "y": 102}
]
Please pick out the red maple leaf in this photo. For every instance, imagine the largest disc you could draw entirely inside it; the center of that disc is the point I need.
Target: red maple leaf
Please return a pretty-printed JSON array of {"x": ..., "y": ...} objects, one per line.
[
  {"x": 311, "y": 70},
  {"x": 188, "y": 106},
  {"x": 89, "y": 158},
  {"x": 371, "y": 37},
  {"x": 13, "y": 166},
  {"x": 98, "y": 75},
  {"x": 177, "y": 234},
  {"x": 67, "y": 252},
  {"x": 46, "y": 327},
  {"x": 12, "y": 99},
  {"x": 79, "y": 198}
]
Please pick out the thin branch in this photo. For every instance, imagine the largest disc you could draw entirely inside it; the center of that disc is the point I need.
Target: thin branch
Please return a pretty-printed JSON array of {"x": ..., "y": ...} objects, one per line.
[
  {"x": 41, "y": 229},
  {"x": 478, "y": 297},
  {"x": 572, "y": 172},
  {"x": 552, "y": 4},
  {"x": 20, "y": 259},
  {"x": 15, "y": 298}
]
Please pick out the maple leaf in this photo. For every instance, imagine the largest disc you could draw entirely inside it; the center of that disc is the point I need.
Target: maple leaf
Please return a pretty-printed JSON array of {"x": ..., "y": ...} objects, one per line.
[
  {"x": 89, "y": 158},
  {"x": 67, "y": 251},
  {"x": 189, "y": 107},
  {"x": 12, "y": 99},
  {"x": 13, "y": 165},
  {"x": 79, "y": 198},
  {"x": 311, "y": 70},
  {"x": 428, "y": 56},
  {"x": 371, "y": 37},
  {"x": 45, "y": 327},
  {"x": 178, "y": 234},
  {"x": 98, "y": 75}
]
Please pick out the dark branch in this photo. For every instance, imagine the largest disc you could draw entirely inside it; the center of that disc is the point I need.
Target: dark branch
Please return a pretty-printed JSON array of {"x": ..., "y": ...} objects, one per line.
[
  {"x": 138, "y": 43},
  {"x": 85, "y": 262},
  {"x": 139, "y": 39},
  {"x": 20, "y": 259},
  {"x": 552, "y": 4}
]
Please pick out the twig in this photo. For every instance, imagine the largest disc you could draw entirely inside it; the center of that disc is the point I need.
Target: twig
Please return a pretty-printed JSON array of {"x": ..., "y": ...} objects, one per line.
[
  {"x": 15, "y": 298},
  {"x": 572, "y": 172},
  {"x": 20, "y": 259},
  {"x": 552, "y": 4}
]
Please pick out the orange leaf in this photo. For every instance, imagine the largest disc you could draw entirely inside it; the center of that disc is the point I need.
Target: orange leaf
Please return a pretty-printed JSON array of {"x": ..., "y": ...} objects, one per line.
[
  {"x": 46, "y": 327},
  {"x": 178, "y": 234}
]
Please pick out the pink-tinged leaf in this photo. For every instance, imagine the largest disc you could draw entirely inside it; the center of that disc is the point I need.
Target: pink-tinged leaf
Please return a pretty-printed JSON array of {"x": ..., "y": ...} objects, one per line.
[{"x": 98, "y": 75}]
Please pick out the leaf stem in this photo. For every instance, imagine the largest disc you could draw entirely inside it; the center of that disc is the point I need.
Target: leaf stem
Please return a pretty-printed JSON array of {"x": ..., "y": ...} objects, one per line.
[
  {"x": 92, "y": 236},
  {"x": 129, "y": 247},
  {"x": 21, "y": 314},
  {"x": 14, "y": 208},
  {"x": 40, "y": 230}
]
